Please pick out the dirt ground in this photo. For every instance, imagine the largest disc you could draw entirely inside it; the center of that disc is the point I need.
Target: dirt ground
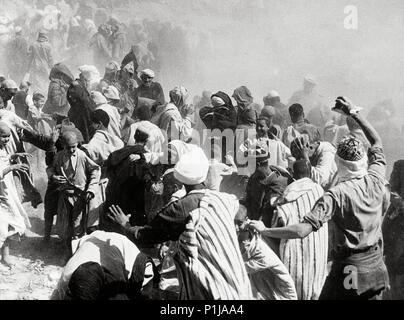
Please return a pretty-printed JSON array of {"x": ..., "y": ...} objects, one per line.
[{"x": 37, "y": 267}]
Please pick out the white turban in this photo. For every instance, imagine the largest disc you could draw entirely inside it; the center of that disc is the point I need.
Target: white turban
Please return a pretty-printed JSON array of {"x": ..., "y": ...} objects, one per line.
[
  {"x": 90, "y": 73},
  {"x": 192, "y": 168},
  {"x": 111, "y": 93},
  {"x": 148, "y": 72},
  {"x": 98, "y": 98}
]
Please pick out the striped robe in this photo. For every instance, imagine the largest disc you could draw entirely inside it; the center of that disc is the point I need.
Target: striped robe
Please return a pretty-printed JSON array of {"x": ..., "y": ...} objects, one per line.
[
  {"x": 306, "y": 259},
  {"x": 209, "y": 261}
]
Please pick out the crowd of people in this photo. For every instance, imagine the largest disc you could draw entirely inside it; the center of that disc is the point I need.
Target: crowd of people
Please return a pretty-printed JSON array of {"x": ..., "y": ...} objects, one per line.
[{"x": 241, "y": 200}]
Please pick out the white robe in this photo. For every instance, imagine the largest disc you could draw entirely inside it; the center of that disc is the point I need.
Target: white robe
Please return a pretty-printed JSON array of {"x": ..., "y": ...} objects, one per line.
[{"x": 12, "y": 213}]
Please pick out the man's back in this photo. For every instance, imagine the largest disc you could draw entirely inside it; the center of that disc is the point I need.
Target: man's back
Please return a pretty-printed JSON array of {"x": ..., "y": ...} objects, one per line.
[
  {"x": 306, "y": 259},
  {"x": 211, "y": 263}
]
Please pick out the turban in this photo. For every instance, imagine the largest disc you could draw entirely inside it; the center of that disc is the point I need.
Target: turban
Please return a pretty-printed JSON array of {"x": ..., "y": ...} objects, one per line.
[
  {"x": 273, "y": 94},
  {"x": 178, "y": 96},
  {"x": 217, "y": 102},
  {"x": 177, "y": 149},
  {"x": 192, "y": 168},
  {"x": 111, "y": 93},
  {"x": 4, "y": 128},
  {"x": 351, "y": 149},
  {"x": 147, "y": 72},
  {"x": 9, "y": 84},
  {"x": 352, "y": 161},
  {"x": 98, "y": 98},
  {"x": 89, "y": 72}
]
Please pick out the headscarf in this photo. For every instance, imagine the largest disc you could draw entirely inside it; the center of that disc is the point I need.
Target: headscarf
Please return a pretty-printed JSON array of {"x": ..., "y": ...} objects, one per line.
[
  {"x": 61, "y": 71},
  {"x": 192, "y": 168},
  {"x": 98, "y": 98},
  {"x": 155, "y": 141},
  {"x": 217, "y": 170},
  {"x": 178, "y": 96},
  {"x": 129, "y": 68},
  {"x": 352, "y": 161},
  {"x": 243, "y": 97},
  {"x": 222, "y": 97},
  {"x": 217, "y": 102}
]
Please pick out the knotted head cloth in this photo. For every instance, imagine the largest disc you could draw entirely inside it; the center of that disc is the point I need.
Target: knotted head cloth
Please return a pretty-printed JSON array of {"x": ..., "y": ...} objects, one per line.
[{"x": 351, "y": 149}]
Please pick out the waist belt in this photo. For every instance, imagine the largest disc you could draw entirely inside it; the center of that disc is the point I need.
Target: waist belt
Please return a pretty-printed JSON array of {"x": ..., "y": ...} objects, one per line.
[{"x": 349, "y": 251}]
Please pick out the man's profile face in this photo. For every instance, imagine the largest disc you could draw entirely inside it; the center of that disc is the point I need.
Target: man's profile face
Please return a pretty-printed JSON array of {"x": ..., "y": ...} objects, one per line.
[{"x": 169, "y": 187}]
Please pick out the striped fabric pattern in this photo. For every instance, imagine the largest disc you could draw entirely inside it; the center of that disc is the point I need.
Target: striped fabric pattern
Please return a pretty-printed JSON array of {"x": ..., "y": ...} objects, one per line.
[
  {"x": 306, "y": 259},
  {"x": 209, "y": 261}
]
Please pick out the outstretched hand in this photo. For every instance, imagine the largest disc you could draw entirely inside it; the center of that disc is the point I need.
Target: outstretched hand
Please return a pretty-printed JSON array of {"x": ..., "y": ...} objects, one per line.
[
  {"x": 116, "y": 214},
  {"x": 302, "y": 147},
  {"x": 256, "y": 225}
]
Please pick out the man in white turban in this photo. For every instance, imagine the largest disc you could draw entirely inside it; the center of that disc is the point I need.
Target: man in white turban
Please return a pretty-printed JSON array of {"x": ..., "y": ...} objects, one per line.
[
  {"x": 208, "y": 258},
  {"x": 150, "y": 89}
]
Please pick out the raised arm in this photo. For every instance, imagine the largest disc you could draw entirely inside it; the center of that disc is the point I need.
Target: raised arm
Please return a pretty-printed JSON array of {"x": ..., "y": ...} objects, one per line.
[{"x": 347, "y": 107}]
